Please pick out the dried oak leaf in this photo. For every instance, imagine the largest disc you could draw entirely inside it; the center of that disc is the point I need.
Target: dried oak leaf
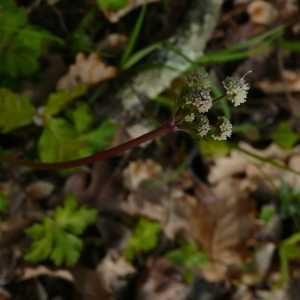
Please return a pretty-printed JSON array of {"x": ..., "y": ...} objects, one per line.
[
  {"x": 224, "y": 227},
  {"x": 290, "y": 82},
  {"x": 114, "y": 17},
  {"x": 89, "y": 69}
]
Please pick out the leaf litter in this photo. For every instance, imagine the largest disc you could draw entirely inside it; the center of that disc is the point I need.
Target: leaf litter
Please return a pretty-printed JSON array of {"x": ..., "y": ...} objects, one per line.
[{"x": 225, "y": 227}]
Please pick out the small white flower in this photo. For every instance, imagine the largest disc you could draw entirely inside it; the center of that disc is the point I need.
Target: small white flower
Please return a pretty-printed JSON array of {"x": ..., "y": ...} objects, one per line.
[
  {"x": 203, "y": 125},
  {"x": 190, "y": 117},
  {"x": 199, "y": 79},
  {"x": 237, "y": 89},
  {"x": 223, "y": 129},
  {"x": 202, "y": 99}
]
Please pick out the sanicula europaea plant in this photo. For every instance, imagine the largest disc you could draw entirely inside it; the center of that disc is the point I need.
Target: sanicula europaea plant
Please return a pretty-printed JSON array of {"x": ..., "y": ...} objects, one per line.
[{"x": 189, "y": 115}]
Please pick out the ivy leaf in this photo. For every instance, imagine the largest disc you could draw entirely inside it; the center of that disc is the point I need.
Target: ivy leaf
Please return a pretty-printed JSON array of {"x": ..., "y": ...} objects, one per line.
[
  {"x": 59, "y": 141},
  {"x": 57, "y": 101},
  {"x": 15, "y": 110},
  {"x": 21, "y": 43},
  {"x": 284, "y": 136},
  {"x": 56, "y": 238},
  {"x": 144, "y": 238},
  {"x": 82, "y": 117},
  {"x": 101, "y": 136}
]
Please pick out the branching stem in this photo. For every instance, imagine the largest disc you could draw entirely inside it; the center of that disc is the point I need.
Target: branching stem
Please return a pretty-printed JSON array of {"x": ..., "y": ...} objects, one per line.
[{"x": 170, "y": 126}]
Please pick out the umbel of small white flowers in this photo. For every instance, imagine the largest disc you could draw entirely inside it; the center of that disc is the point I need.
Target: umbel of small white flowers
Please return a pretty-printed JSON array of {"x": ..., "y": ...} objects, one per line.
[{"x": 195, "y": 100}]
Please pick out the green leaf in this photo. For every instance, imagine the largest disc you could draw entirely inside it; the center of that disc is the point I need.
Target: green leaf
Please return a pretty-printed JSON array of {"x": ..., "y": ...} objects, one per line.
[
  {"x": 42, "y": 246},
  {"x": 137, "y": 56},
  {"x": 144, "y": 238},
  {"x": 3, "y": 202},
  {"x": 72, "y": 219},
  {"x": 215, "y": 149},
  {"x": 21, "y": 43},
  {"x": 113, "y": 5},
  {"x": 135, "y": 34},
  {"x": 188, "y": 255},
  {"x": 15, "y": 110},
  {"x": 59, "y": 141},
  {"x": 101, "y": 136},
  {"x": 288, "y": 250},
  {"x": 66, "y": 248},
  {"x": 289, "y": 45},
  {"x": 82, "y": 117},
  {"x": 284, "y": 136},
  {"x": 56, "y": 238},
  {"x": 57, "y": 101}
]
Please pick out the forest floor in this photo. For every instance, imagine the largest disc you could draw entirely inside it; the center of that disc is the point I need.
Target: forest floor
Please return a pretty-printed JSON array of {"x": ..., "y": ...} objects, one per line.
[{"x": 174, "y": 218}]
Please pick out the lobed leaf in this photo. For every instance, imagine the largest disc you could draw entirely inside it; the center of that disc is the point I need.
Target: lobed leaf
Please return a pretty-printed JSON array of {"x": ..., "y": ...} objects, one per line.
[
  {"x": 15, "y": 110},
  {"x": 59, "y": 141}
]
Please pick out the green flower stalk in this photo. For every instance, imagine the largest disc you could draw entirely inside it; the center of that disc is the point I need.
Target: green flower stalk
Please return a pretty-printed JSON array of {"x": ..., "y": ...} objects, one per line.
[{"x": 194, "y": 101}]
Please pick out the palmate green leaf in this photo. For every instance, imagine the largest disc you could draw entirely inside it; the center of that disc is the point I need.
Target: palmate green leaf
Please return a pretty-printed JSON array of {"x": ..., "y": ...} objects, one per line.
[
  {"x": 59, "y": 141},
  {"x": 100, "y": 137},
  {"x": 284, "y": 136},
  {"x": 57, "y": 101},
  {"x": 55, "y": 238},
  {"x": 72, "y": 219},
  {"x": 21, "y": 43},
  {"x": 144, "y": 238},
  {"x": 15, "y": 110},
  {"x": 42, "y": 246},
  {"x": 66, "y": 247},
  {"x": 81, "y": 117}
]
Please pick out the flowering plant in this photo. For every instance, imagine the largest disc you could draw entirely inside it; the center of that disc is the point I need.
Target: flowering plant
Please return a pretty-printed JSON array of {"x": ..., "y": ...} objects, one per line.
[{"x": 195, "y": 100}]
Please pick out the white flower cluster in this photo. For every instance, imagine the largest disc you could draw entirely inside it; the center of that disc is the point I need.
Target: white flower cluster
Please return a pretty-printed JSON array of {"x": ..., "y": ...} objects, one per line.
[
  {"x": 236, "y": 89},
  {"x": 223, "y": 129},
  {"x": 190, "y": 117},
  {"x": 203, "y": 100},
  {"x": 199, "y": 79},
  {"x": 196, "y": 100},
  {"x": 203, "y": 125}
]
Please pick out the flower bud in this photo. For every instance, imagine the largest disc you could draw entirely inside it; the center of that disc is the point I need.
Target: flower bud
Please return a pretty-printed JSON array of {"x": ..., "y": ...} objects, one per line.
[{"x": 199, "y": 79}]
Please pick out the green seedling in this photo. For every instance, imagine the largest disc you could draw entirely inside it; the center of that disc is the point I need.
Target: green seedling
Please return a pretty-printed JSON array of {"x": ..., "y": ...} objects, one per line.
[
  {"x": 56, "y": 238},
  {"x": 189, "y": 255},
  {"x": 145, "y": 238}
]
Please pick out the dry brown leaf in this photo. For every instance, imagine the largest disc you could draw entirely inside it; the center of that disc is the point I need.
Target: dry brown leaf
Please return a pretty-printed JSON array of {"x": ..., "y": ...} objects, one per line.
[
  {"x": 139, "y": 171},
  {"x": 89, "y": 284},
  {"x": 39, "y": 270},
  {"x": 164, "y": 282},
  {"x": 115, "y": 270},
  {"x": 224, "y": 227},
  {"x": 290, "y": 83},
  {"x": 132, "y": 4},
  {"x": 89, "y": 69},
  {"x": 262, "y": 12}
]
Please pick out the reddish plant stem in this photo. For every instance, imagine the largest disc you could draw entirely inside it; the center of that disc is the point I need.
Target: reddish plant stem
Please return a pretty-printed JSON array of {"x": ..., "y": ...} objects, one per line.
[{"x": 170, "y": 126}]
